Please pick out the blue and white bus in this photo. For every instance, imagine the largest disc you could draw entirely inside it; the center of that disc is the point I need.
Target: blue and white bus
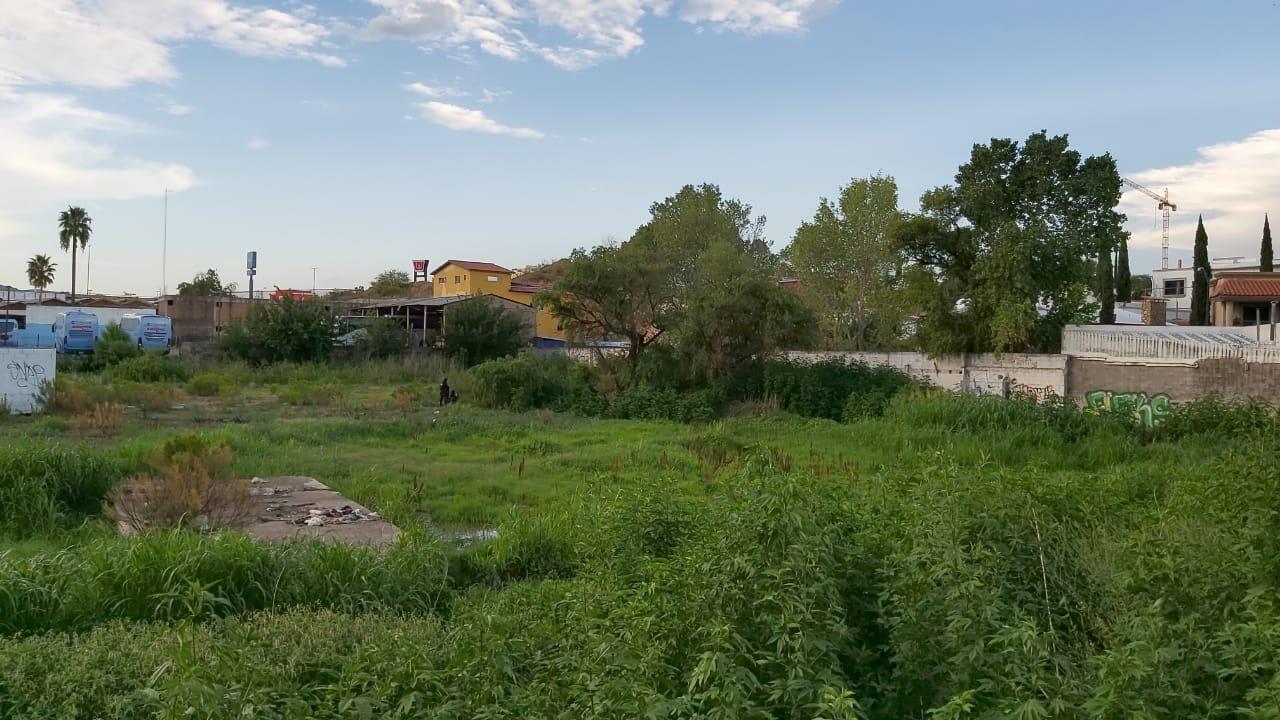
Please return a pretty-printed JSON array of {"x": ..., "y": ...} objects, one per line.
[
  {"x": 75, "y": 332},
  {"x": 149, "y": 332}
]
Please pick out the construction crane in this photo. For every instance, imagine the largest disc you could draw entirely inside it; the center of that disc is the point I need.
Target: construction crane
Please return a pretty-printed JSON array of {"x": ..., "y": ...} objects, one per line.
[{"x": 1164, "y": 205}]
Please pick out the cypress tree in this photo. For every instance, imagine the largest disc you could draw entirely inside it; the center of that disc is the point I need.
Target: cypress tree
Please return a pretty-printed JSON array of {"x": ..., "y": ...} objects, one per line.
[
  {"x": 1124, "y": 281},
  {"x": 1200, "y": 284},
  {"x": 1106, "y": 287},
  {"x": 1268, "y": 258}
]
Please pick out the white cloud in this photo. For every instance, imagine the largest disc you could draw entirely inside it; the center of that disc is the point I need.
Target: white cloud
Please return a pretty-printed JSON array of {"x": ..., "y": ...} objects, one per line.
[
  {"x": 433, "y": 91},
  {"x": 115, "y": 43},
  {"x": 488, "y": 96},
  {"x": 258, "y": 143},
  {"x": 1232, "y": 184},
  {"x": 455, "y": 117},
  {"x": 53, "y": 154},
  {"x": 595, "y": 29},
  {"x": 56, "y": 149}
]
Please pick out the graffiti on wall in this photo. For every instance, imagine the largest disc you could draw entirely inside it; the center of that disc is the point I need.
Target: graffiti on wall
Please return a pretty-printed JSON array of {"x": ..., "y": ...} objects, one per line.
[
  {"x": 1149, "y": 410},
  {"x": 1041, "y": 393}
]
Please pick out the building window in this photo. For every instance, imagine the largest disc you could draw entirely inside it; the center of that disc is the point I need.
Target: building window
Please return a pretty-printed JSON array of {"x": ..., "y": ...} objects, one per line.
[
  {"x": 444, "y": 280},
  {"x": 492, "y": 278},
  {"x": 1175, "y": 288},
  {"x": 457, "y": 279}
]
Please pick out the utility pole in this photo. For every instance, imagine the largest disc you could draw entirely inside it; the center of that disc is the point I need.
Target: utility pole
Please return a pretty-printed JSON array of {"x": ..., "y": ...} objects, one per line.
[
  {"x": 164, "y": 249},
  {"x": 313, "y": 279}
]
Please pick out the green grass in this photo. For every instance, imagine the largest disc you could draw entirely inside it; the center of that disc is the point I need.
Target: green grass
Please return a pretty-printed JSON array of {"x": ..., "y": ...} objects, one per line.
[{"x": 955, "y": 558}]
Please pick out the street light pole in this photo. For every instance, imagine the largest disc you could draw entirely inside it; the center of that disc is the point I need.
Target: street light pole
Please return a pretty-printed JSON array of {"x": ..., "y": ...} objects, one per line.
[{"x": 313, "y": 279}]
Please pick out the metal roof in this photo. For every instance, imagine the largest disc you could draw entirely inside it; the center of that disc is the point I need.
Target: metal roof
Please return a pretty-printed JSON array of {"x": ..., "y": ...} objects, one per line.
[
  {"x": 473, "y": 265},
  {"x": 427, "y": 302}
]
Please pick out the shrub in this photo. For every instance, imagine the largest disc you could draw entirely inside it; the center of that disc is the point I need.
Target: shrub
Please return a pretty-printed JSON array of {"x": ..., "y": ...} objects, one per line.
[
  {"x": 823, "y": 389},
  {"x": 113, "y": 348},
  {"x": 642, "y": 402},
  {"x": 44, "y": 487},
  {"x": 527, "y": 382},
  {"x": 190, "y": 487},
  {"x": 284, "y": 331},
  {"x": 211, "y": 384},
  {"x": 386, "y": 337},
  {"x": 480, "y": 329},
  {"x": 1212, "y": 417},
  {"x": 307, "y": 393},
  {"x": 148, "y": 368},
  {"x": 106, "y": 417}
]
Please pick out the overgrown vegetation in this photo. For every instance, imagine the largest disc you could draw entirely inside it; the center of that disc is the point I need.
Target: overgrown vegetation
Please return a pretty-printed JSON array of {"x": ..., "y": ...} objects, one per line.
[{"x": 284, "y": 331}]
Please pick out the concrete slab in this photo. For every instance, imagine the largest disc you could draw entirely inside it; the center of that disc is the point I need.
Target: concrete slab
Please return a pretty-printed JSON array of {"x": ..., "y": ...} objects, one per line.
[{"x": 301, "y": 508}]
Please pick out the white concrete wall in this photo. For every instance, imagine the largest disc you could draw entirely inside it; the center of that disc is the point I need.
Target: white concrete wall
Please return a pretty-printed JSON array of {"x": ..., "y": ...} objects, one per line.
[
  {"x": 1039, "y": 375},
  {"x": 22, "y": 372},
  {"x": 46, "y": 314}
]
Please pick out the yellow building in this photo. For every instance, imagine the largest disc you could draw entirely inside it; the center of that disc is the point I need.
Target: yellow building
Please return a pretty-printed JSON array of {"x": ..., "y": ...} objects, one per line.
[{"x": 467, "y": 277}]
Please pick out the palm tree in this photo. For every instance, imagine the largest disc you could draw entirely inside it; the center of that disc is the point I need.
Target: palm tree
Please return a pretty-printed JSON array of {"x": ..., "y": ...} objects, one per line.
[
  {"x": 75, "y": 227},
  {"x": 40, "y": 273}
]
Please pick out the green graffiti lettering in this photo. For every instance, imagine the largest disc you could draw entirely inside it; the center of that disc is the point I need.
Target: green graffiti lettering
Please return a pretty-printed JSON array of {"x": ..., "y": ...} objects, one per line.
[{"x": 1146, "y": 410}]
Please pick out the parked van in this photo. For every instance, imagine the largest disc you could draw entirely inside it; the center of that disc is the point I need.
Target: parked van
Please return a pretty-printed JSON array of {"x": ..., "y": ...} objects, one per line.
[
  {"x": 75, "y": 331},
  {"x": 149, "y": 332}
]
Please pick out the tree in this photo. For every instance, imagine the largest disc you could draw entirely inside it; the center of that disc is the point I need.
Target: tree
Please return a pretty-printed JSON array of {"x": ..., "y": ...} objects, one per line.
[
  {"x": 1140, "y": 285},
  {"x": 1106, "y": 288},
  {"x": 1124, "y": 280},
  {"x": 610, "y": 293},
  {"x": 479, "y": 329},
  {"x": 75, "y": 227},
  {"x": 285, "y": 331},
  {"x": 389, "y": 283},
  {"x": 205, "y": 284},
  {"x": 749, "y": 318},
  {"x": 847, "y": 263},
  {"x": 40, "y": 271},
  {"x": 1267, "y": 255},
  {"x": 1001, "y": 260},
  {"x": 1202, "y": 273}
]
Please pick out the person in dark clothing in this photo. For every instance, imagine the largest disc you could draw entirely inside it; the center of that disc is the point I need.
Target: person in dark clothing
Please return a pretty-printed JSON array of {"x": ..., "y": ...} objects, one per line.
[
  {"x": 453, "y": 396},
  {"x": 445, "y": 392}
]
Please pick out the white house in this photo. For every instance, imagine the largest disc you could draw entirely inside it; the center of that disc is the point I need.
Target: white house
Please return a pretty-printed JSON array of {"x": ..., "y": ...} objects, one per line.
[{"x": 1174, "y": 285}]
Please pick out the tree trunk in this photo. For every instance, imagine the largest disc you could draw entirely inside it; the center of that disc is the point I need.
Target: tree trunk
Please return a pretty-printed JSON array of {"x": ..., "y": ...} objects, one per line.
[{"x": 73, "y": 271}]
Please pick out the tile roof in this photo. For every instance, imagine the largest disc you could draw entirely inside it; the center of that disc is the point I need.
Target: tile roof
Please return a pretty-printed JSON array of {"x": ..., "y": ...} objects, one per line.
[
  {"x": 1262, "y": 286},
  {"x": 473, "y": 265}
]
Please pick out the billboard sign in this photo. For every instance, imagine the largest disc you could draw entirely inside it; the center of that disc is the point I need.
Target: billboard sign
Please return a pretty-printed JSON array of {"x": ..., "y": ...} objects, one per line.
[{"x": 420, "y": 266}]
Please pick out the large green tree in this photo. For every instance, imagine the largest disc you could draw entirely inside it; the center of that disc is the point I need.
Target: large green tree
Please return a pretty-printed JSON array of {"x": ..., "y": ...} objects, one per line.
[
  {"x": 611, "y": 293},
  {"x": 1202, "y": 273},
  {"x": 205, "y": 284},
  {"x": 689, "y": 263},
  {"x": 1267, "y": 254},
  {"x": 1003, "y": 259},
  {"x": 75, "y": 227},
  {"x": 479, "y": 329},
  {"x": 848, "y": 265},
  {"x": 1124, "y": 279},
  {"x": 40, "y": 270},
  {"x": 389, "y": 283}
]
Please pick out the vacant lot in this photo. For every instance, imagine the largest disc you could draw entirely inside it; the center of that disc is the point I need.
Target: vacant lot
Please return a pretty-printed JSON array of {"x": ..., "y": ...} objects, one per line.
[{"x": 953, "y": 558}]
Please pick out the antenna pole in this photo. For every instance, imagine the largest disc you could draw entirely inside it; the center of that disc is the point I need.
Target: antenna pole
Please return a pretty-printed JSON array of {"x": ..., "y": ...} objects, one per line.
[{"x": 164, "y": 249}]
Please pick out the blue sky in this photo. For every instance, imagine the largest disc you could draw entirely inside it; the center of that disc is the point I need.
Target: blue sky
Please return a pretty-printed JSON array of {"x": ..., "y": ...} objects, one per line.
[{"x": 357, "y": 135}]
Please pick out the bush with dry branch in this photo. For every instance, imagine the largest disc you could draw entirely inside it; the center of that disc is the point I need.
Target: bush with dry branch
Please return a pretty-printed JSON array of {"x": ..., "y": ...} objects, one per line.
[{"x": 190, "y": 487}]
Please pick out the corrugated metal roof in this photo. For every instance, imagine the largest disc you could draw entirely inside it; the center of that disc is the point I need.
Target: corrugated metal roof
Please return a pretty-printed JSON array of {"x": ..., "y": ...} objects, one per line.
[
  {"x": 1260, "y": 287},
  {"x": 426, "y": 302},
  {"x": 473, "y": 265}
]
